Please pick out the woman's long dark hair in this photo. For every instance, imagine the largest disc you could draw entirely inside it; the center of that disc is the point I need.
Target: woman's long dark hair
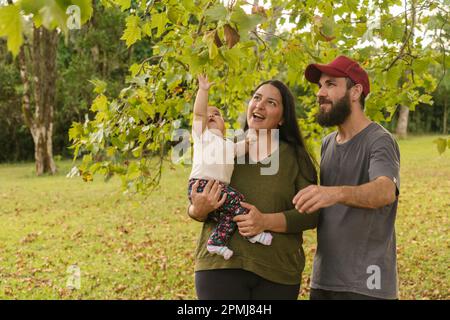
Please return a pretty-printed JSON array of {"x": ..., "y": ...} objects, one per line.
[{"x": 290, "y": 131}]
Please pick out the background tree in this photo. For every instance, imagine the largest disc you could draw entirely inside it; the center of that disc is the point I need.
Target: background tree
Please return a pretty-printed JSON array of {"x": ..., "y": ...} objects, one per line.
[
  {"x": 37, "y": 61},
  {"x": 14, "y": 135},
  {"x": 39, "y": 91},
  {"x": 92, "y": 54},
  {"x": 237, "y": 43},
  {"x": 128, "y": 132}
]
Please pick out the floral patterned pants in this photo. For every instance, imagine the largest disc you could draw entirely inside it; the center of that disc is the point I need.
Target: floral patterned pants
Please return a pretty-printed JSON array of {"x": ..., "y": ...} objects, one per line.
[{"x": 223, "y": 215}]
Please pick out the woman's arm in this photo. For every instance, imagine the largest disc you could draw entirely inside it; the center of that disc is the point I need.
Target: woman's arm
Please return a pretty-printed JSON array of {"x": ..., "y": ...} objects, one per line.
[
  {"x": 206, "y": 201},
  {"x": 255, "y": 222},
  {"x": 289, "y": 221}
]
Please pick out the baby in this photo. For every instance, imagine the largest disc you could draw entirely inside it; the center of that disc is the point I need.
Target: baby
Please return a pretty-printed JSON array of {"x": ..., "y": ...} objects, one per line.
[{"x": 214, "y": 160}]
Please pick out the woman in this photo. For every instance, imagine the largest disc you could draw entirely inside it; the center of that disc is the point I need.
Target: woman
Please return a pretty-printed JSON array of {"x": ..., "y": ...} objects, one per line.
[{"x": 256, "y": 271}]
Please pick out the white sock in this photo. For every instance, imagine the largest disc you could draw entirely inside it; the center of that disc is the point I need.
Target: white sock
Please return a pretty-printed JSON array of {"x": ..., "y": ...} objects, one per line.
[
  {"x": 264, "y": 238},
  {"x": 220, "y": 250}
]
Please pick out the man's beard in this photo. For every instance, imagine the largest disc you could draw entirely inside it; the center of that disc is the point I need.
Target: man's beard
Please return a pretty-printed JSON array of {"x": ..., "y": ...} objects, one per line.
[{"x": 338, "y": 113}]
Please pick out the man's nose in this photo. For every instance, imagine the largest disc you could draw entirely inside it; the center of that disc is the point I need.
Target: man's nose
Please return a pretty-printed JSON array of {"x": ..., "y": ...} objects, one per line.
[{"x": 321, "y": 92}]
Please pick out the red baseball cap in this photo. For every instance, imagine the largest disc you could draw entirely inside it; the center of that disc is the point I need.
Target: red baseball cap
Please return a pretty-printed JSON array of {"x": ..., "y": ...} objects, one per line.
[{"x": 342, "y": 66}]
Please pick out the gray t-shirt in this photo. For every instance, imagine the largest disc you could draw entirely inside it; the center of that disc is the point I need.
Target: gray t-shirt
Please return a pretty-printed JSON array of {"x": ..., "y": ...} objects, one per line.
[{"x": 356, "y": 249}]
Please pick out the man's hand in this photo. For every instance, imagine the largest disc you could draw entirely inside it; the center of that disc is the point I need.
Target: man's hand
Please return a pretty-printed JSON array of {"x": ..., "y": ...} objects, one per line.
[
  {"x": 372, "y": 195},
  {"x": 252, "y": 223},
  {"x": 313, "y": 198},
  {"x": 206, "y": 201}
]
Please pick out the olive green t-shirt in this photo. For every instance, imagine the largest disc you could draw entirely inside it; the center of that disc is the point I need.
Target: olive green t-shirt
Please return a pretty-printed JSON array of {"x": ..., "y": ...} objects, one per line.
[{"x": 283, "y": 261}]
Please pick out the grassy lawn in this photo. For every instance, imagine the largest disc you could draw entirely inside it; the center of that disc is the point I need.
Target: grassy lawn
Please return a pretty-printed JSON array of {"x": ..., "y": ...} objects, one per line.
[{"x": 142, "y": 247}]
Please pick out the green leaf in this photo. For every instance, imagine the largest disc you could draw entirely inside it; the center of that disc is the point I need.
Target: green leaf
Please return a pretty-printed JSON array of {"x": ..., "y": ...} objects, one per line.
[
  {"x": 352, "y": 4},
  {"x": 134, "y": 69},
  {"x": 133, "y": 171},
  {"x": 148, "y": 109},
  {"x": 420, "y": 65},
  {"x": 100, "y": 86},
  {"x": 212, "y": 48},
  {"x": 159, "y": 21},
  {"x": 147, "y": 29},
  {"x": 190, "y": 6},
  {"x": 392, "y": 76},
  {"x": 124, "y": 4},
  {"x": 398, "y": 31},
  {"x": 174, "y": 14},
  {"x": 328, "y": 26},
  {"x": 441, "y": 145},
  {"x": 75, "y": 131},
  {"x": 173, "y": 80},
  {"x": 426, "y": 98},
  {"x": 100, "y": 103},
  {"x": 245, "y": 22},
  {"x": 232, "y": 57},
  {"x": 11, "y": 27},
  {"x": 216, "y": 12},
  {"x": 32, "y": 6},
  {"x": 326, "y": 7},
  {"x": 132, "y": 32}
]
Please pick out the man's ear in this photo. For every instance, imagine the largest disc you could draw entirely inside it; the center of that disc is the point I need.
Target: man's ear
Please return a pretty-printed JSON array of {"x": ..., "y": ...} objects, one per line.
[{"x": 356, "y": 92}]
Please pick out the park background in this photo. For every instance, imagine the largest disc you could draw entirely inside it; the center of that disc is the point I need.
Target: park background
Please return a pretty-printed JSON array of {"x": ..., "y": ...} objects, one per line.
[{"x": 91, "y": 203}]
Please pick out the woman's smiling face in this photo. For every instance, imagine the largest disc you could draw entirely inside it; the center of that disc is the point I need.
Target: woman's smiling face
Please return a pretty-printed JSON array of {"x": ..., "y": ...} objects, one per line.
[{"x": 265, "y": 109}]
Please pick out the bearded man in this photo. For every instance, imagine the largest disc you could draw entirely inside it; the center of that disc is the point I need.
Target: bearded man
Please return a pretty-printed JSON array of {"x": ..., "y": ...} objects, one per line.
[{"x": 358, "y": 192}]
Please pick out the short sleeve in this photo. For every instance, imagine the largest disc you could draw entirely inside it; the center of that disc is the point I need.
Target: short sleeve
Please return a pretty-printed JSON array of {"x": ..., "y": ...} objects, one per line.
[
  {"x": 205, "y": 136},
  {"x": 385, "y": 160}
]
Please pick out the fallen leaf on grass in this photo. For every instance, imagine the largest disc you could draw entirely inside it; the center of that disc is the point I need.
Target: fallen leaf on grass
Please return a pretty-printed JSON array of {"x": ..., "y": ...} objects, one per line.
[
  {"x": 31, "y": 237},
  {"x": 120, "y": 288},
  {"x": 76, "y": 235},
  {"x": 123, "y": 230}
]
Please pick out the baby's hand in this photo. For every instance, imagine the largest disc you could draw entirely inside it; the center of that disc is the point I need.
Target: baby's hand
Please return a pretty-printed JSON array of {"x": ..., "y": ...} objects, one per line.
[{"x": 203, "y": 82}]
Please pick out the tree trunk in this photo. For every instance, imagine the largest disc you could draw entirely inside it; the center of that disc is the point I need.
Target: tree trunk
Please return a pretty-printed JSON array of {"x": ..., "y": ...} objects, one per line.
[
  {"x": 41, "y": 60},
  {"x": 402, "y": 124}
]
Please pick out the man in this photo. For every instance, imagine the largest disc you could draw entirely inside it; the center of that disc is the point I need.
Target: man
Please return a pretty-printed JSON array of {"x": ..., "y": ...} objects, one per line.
[{"x": 359, "y": 174}]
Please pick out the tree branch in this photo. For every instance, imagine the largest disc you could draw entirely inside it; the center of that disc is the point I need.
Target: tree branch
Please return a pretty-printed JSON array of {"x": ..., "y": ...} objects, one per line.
[{"x": 406, "y": 37}]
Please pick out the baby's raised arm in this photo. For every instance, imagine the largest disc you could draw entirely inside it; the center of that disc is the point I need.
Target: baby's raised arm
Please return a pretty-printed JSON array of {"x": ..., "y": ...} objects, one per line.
[{"x": 201, "y": 105}]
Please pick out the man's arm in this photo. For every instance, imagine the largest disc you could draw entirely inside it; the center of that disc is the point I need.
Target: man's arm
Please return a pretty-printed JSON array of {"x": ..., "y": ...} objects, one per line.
[
  {"x": 372, "y": 195},
  {"x": 375, "y": 194}
]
